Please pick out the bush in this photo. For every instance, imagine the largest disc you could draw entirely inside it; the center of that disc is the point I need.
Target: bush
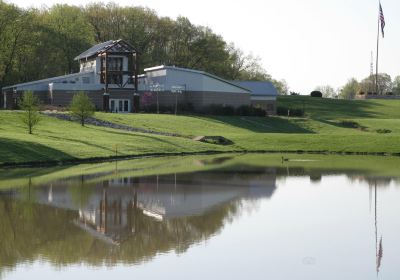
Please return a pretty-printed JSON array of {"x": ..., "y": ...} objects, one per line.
[
  {"x": 81, "y": 107},
  {"x": 383, "y": 131},
  {"x": 186, "y": 108},
  {"x": 292, "y": 112},
  {"x": 316, "y": 93},
  {"x": 29, "y": 104},
  {"x": 245, "y": 110},
  {"x": 220, "y": 110}
]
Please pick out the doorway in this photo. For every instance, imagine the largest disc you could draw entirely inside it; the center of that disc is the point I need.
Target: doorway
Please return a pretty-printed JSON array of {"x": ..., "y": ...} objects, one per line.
[{"x": 120, "y": 105}]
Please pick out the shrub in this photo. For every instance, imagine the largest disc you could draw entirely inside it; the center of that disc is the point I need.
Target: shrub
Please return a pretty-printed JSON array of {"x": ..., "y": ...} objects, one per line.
[
  {"x": 29, "y": 104},
  {"x": 383, "y": 131},
  {"x": 221, "y": 110},
  {"x": 186, "y": 108},
  {"x": 316, "y": 93},
  {"x": 81, "y": 107},
  {"x": 245, "y": 110}
]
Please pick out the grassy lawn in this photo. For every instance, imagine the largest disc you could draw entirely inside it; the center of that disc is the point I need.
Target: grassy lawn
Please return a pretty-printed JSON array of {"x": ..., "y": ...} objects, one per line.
[
  {"x": 61, "y": 140},
  {"x": 371, "y": 126},
  {"x": 329, "y": 125}
]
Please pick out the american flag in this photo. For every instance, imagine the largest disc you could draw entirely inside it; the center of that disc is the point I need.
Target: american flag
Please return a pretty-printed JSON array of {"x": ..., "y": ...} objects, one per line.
[{"x": 382, "y": 18}]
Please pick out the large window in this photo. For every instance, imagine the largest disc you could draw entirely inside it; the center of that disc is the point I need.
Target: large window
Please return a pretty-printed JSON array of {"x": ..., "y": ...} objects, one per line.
[{"x": 114, "y": 65}]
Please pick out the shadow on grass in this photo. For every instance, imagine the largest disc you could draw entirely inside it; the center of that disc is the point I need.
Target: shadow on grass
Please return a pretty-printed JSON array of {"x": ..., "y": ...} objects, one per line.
[
  {"x": 260, "y": 124},
  {"x": 12, "y": 150},
  {"x": 138, "y": 135},
  {"x": 324, "y": 108},
  {"x": 345, "y": 124}
]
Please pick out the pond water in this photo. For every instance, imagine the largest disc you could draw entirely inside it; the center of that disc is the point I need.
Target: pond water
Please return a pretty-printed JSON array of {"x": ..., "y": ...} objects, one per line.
[{"x": 224, "y": 217}]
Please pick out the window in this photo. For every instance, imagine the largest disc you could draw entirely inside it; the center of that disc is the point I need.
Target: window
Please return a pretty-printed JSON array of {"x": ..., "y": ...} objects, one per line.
[
  {"x": 114, "y": 67},
  {"x": 126, "y": 105},
  {"x": 112, "y": 107},
  {"x": 114, "y": 63},
  {"x": 270, "y": 107},
  {"x": 115, "y": 79}
]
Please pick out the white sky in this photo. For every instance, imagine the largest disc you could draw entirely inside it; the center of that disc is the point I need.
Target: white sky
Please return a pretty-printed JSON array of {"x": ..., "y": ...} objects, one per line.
[{"x": 306, "y": 42}]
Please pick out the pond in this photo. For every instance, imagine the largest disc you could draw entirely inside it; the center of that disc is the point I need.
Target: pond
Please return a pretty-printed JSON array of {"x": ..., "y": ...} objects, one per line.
[{"x": 203, "y": 217}]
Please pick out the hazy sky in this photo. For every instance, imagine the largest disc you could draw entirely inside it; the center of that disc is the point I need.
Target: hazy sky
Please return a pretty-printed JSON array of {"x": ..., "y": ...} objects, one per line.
[{"x": 306, "y": 42}]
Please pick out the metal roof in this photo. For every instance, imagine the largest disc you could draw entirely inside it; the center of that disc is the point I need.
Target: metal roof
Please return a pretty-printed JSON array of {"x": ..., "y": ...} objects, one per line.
[
  {"x": 95, "y": 49},
  {"x": 105, "y": 46},
  {"x": 264, "y": 88},
  {"x": 161, "y": 67},
  {"x": 47, "y": 80}
]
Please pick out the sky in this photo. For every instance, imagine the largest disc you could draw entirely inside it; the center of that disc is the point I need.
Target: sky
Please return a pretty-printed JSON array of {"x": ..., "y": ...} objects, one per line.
[{"x": 308, "y": 43}]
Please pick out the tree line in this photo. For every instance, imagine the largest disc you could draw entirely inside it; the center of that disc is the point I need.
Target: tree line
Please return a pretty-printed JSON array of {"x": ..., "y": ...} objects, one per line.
[
  {"x": 41, "y": 43},
  {"x": 354, "y": 87}
]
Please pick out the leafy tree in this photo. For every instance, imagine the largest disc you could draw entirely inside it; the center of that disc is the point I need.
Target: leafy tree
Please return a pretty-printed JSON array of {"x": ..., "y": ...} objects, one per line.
[
  {"x": 29, "y": 104},
  {"x": 71, "y": 33},
  {"x": 396, "y": 85},
  {"x": 281, "y": 86},
  {"x": 316, "y": 93},
  {"x": 384, "y": 84},
  {"x": 327, "y": 91},
  {"x": 81, "y": 107},
  {"x": 52, "y": 37},
  {"x": 350, "y": 89}
]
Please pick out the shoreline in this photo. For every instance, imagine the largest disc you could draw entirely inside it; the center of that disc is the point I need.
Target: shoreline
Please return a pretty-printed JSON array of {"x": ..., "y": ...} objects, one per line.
[{"x": 77, "y": 161}]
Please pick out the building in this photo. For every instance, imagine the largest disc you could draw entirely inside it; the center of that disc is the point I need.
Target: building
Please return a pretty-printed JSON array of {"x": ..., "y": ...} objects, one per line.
[
  {"x": 173, "y": 85},
  {"x": 109, "y": 75},
  {"x": 263, "y": 94}
]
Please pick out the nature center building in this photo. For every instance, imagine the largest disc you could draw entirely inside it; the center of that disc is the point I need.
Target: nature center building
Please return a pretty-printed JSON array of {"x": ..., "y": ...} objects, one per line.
[{"x": 109, "y": 76}]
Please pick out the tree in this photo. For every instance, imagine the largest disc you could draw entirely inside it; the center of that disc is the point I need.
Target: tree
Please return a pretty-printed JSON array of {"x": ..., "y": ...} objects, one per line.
[
  {"x": 316, "y": 93},
  {"x": 281, "y": 86},
  {"x": 384, "y": 84},
  {"x": 396, "y": 85},
  {"x": 81, "y": 107},
  {"x": 350, "y": 89},
  {"x": 29, "y": 104},
  {"x": 327, "y": 91}
]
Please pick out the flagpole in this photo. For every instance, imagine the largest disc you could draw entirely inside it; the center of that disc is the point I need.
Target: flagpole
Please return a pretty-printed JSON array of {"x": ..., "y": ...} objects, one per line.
[{"x": 377, "y": 51}]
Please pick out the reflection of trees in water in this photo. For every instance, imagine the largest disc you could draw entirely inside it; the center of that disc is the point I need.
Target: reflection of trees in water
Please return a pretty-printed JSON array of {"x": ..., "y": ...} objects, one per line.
[
  {"x": 371, "y": 181},
  {"x": 49, "y": 233},
  {"x": 355, "y": 175}
]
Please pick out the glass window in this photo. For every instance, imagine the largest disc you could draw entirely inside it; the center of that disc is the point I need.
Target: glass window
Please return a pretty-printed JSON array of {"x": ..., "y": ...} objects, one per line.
[
  {"x": 112, "y": 106},
  {"x": 120, "y": 106},
  {"x": 126, "y": 105}
]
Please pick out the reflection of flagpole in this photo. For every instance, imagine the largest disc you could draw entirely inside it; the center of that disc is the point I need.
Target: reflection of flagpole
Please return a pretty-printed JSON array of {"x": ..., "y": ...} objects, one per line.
[
  {"x": 378, "y": 246},
  {"x": 370, "y": 198},
  {"x": 376, "y": 234}
]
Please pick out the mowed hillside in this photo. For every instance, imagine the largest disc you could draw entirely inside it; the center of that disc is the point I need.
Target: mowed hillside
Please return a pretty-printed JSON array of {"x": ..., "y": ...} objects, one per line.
[
  {"x": 369, "y": 126},
  {"x": 329, "y": 126}
]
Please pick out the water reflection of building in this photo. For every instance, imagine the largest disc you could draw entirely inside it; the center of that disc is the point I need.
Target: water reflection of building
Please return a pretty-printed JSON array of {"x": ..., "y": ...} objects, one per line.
[{"x": 113, "y": 209}]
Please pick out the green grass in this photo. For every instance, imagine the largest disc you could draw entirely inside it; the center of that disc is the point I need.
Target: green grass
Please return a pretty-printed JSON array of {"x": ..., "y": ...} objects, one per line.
[
  {"x": 329, "y": 125},
  {"x": 61, "y": 140},
  {"x": 324, "y": 128},
  {"x": 322, "y": 108}
]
